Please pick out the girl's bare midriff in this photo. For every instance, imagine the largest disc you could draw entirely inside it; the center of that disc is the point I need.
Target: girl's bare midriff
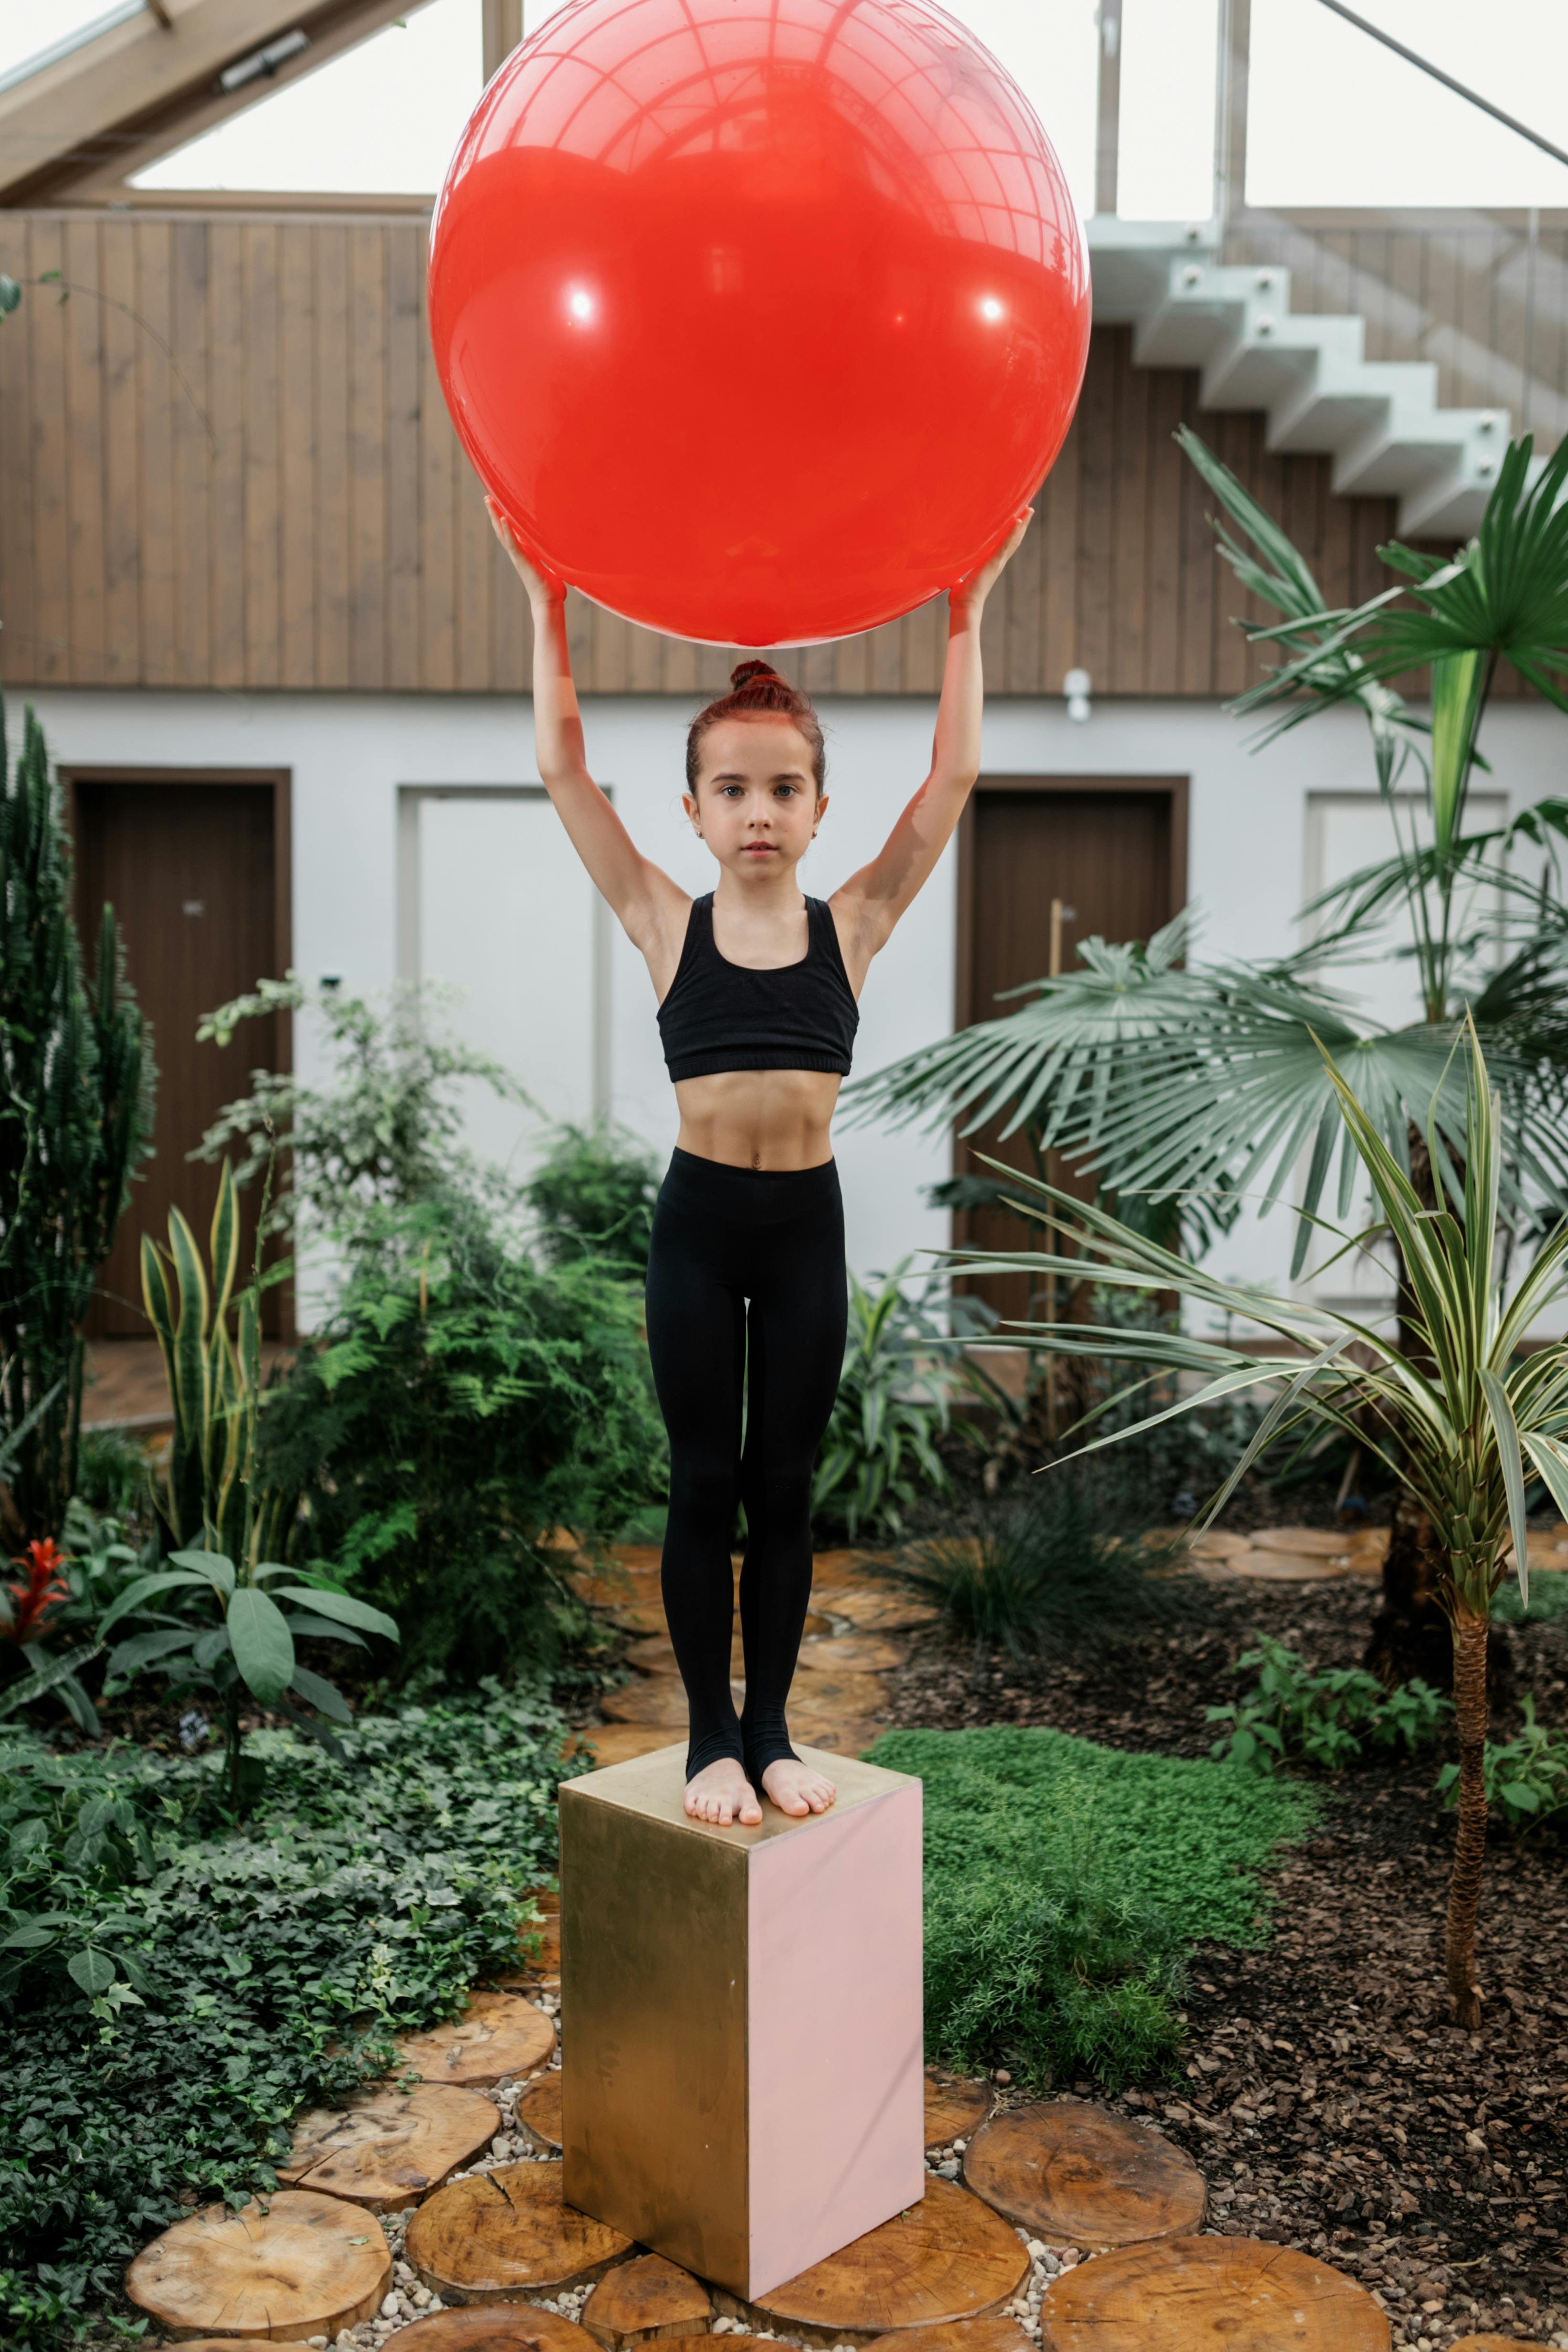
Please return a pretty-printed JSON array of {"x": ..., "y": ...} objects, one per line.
[{"x": 759, "y": 1119}]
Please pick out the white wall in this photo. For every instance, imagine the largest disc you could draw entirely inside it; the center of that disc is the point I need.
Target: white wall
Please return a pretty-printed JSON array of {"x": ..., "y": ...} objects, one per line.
[{"x": 348, "y": 755}]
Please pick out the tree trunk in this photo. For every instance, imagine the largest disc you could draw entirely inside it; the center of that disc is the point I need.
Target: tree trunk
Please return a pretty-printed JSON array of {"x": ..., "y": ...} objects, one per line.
[
  {"x": 1470, "y": 1844},
  {"x": 1410, "y": 1635}
]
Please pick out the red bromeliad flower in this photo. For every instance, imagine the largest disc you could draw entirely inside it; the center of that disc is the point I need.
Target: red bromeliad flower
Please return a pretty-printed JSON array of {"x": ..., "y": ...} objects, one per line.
[{"x": 46, "y": 1584}]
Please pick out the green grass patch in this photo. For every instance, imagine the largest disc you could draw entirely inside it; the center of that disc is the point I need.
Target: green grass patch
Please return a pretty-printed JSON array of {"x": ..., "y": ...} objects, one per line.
[
  {"x": 1548, "y": 1601},
  {"x": 1065, "y": 1883}
]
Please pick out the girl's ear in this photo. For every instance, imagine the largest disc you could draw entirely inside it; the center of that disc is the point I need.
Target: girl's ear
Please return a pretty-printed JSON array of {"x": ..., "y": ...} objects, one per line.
[{"x": 689, "y": 802}]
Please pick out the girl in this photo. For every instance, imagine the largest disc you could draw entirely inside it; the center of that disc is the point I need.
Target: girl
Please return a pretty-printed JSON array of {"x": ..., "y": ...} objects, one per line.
[{"x": 757, "y": 989}]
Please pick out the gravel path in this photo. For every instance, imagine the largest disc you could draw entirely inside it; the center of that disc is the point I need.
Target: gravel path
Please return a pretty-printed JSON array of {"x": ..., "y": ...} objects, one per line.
[{"x": 1328, "y": 2100}]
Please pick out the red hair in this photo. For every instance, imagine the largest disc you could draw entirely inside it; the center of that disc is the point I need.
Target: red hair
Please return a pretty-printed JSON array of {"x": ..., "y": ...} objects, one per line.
[{"x": 756, "y": 691}]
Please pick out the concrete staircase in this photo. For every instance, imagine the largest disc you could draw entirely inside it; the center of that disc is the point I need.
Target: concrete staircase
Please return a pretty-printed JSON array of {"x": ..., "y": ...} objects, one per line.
[{"x": 1307, "y": 371}]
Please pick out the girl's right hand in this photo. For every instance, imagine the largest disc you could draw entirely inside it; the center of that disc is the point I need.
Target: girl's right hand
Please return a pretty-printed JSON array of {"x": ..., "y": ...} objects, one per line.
[{"x": 544, "y": 587}]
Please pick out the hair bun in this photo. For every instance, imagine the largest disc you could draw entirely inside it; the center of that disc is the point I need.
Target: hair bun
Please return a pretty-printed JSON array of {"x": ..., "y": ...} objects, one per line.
[{"x": 749, "y": 673}]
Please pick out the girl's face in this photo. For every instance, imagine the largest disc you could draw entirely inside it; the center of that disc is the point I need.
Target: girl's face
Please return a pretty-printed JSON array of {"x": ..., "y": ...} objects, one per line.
[{"x": 755, "y": 804}]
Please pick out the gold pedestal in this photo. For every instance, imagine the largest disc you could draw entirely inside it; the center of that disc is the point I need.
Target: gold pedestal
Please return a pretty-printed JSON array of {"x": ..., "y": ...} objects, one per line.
[{"x": 741, "y": 2017}]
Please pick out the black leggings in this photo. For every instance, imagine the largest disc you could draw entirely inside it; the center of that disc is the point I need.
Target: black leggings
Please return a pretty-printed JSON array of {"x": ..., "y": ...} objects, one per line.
[{"x": 724, "y": 1236}]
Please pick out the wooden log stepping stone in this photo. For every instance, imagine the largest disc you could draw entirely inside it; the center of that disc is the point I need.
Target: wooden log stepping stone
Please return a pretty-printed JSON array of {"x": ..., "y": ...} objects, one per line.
[
  {"x": 642, "y": 1617},
  {"x": 947, "y": 2258},
  {"x": 385, "y": 2149},
  {"x": 305, "y": 2265},
  {"x": 997, "y": 2335},
  {"x": 638, "y": 1560},
  {"x": 845, "y": 1696},
  {"x": 878, "y": 1609},
  {"x": 656, "y": 1655},
  {"x": 538, "y": 2113},
  {"x": 859, "y": 1654},
  {"x": 1178, "y": 2293},
  {"x": 820, "y": 1731},
  {"x": 1217, "y": 1544},
  {"x": 743, "y": 2343},
  {"x": 617, "y": 1743},
  {"x": 498, "y": 2234},
  {"x": 227, "y": 2343},
  {"x": 652, "y": 1699},
  {"x": 955, "y": 2106},
  {"x": 494, "y": 2327},
  {"x": 830, "y": 1569},
  {"x": 1077, "y": 2176},
  {"x": 498, "y": 2033},
  {"x": 642, "y": 2299},
  {"x": 1280, "y": 1568},
  {"x": 1490, "y": 2343},
  {"x": 1308, "y": 1543}
]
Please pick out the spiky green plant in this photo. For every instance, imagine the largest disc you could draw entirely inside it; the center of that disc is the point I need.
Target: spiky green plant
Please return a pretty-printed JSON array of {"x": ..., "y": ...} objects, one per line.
[
  {"x": 76, "y": 1117},
  {"x": 211, "y": 1493},
  {"x": 1454, "y": 1418}
]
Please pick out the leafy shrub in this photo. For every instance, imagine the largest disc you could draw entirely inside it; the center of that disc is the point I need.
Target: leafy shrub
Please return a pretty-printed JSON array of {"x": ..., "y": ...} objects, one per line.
[
  {"x": 593, "y": 1195},
  {"x": 1164, "y": 1471},
  {"x": 1050, "y": 1570},
  {"x": 1324, "y": 1719},
  {"x": 387, "y": 1127},
  {"x": 879, "y": 1460},
  {"x": 174, "y": 1993},
  {"x": 239, "y": 1638},
  {"x": 1063, "y": 1881},
  {"x": 461, "y": 1401},
  {"x": 1526, "y": 1777},
  {"x": 113, "y": 1476}
]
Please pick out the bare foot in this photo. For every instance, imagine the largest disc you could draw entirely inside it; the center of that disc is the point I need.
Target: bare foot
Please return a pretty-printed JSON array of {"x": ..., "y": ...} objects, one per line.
[
  {"x": 797, "y": 1788},
  {"x": 721, "y": 1793}
]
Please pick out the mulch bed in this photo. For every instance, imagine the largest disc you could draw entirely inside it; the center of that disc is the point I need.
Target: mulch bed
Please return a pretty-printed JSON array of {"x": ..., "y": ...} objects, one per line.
[{"x": 1328, "y": 2099}]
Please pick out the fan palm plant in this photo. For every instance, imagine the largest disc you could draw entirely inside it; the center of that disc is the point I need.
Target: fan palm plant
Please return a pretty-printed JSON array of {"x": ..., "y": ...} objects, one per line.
[
  {"x": 1206, "y": 1084},
  {"x": 1461, "y": 1420},
  {"x": 1207, "y": 1080},
  {"x": 1502, "y": 598}
]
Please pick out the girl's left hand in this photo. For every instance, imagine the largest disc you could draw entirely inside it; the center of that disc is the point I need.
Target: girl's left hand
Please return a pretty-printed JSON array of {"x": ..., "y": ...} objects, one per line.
[{"x": 970, "y": 593}]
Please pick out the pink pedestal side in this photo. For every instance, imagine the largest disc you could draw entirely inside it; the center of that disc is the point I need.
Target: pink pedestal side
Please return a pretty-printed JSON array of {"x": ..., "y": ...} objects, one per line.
[
  {"x": 749, "y": 2096},
  {"x": 834, "y": 2032}
]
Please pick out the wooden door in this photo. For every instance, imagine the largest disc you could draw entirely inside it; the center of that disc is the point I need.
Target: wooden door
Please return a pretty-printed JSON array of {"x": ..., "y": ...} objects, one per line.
[
  {"x": 196, "y": 870},
  {"x": 1113, "y": 850}
]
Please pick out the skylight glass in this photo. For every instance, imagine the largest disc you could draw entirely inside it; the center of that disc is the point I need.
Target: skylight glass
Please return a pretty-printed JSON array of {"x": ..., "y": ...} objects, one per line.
[
  {"x": 1333, "y": 118},
  {"x": 32, "y": 36},
  {"x": 380, "y": 118}
]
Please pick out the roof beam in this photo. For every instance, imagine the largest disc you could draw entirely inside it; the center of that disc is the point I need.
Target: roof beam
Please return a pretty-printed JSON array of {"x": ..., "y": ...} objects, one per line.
[{"x": 74, "y": 131}]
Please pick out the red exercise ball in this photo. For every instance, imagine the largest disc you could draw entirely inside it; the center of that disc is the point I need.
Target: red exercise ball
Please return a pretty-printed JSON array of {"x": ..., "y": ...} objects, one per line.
[{"x": 760, "y": 319}]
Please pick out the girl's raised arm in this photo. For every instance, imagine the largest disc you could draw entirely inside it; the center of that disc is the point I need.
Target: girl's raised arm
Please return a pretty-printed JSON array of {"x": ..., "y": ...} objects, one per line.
[
  {"x": 876, "y": 897},
  {"x": 642, "y": 896}
]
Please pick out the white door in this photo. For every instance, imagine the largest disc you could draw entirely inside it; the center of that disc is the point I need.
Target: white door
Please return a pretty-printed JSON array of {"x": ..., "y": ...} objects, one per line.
[{"x": 495, "y": 903}]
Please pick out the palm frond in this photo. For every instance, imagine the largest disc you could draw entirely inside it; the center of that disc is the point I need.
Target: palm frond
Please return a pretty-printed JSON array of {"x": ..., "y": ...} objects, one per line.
[{"x": 1457, "y": 1433}]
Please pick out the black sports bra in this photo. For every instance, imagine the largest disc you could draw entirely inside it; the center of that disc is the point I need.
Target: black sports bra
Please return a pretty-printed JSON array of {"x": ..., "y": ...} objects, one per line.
[{"x": 717, "y": 1015}]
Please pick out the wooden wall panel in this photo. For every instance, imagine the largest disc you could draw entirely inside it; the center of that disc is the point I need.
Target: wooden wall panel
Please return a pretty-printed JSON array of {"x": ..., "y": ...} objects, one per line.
[{"x": 224, "y": 461}]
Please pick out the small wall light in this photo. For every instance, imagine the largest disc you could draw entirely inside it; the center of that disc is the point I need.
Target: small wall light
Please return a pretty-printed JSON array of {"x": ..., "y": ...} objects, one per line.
[{"x": 1077, "y": 686}]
